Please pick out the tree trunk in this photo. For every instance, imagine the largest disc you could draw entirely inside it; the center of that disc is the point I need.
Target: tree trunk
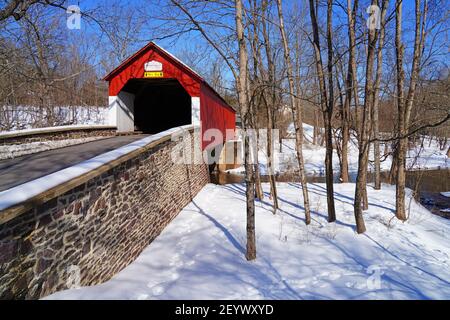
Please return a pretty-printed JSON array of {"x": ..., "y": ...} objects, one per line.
[
  {"x": 272, "y": 181},
  {"x": 393, "y": 169},
  {"x": 252, "y": 88},
  {"x": 243, "y": 102},
  {"x": 351, "y": 13},
  {"x": 401, "y": 145},
  {"x": 376, "y": 101},
  {"x": 361, "y": 201},
  {"x": 269, "y": 105},
  {"x": 326, "y": 106},
  {"x": 345, "y": 138},
  {"x": 405, "y": 106},
  {"x": 297, "y": 116},
  {"x": 351, "y": 87},
  {"x": 259, "y": 194},
  {"x": 329, "y": 115},
  {"x": 250, "y": 196},
  {"x": 316, "y": 127}
]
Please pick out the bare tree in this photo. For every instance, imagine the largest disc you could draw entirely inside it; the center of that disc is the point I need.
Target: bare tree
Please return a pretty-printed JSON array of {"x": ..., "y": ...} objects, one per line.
[
  {"x": 266, "y": 87},
  {"x": 364, "y": 139},
  {"x": 404, "y": 105},
  {"x": 253, "y": 92},
  {"x": 241, "y": 78},
  {"x": 297, "y": 114},
  {"x": 325, "y": 102},
  {"x": 243, "y": 102},
  {"x": 18, "y": 8},
  {"x": 376, "y": 96},
  {"x": 351, "y": 87}
]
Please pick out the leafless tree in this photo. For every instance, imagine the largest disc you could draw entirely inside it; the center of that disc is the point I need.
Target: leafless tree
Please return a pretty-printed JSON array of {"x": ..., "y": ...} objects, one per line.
[
  {"x": 326, "y": 103},
  {"x": 404, "y": 104},
  {"x": 240, "y": 75},
  {"x": 364, "y": 137},
  {"x": 297, "y": 114},
  {"x": 376, "y": 96}
]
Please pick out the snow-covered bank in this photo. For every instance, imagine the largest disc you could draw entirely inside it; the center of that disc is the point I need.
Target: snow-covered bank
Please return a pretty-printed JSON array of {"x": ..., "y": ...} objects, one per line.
[
  {"x": 426, "y": 159},
  {"x": 27, "y": 117},
  {"x": 429, "y": 157},
  {"x": 200, "y": 255},
  {"x": 23, "y": 132},
  {"x": 17, "y": 150}
]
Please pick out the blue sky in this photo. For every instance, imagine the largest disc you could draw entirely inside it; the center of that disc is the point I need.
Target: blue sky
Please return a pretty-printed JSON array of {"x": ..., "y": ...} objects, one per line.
[
  {"x": 190, "y": 43},
  {"x": 183, "y": 42}
]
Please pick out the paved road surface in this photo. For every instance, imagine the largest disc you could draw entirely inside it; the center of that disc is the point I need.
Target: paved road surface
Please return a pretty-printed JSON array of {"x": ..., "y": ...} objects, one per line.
[{"x": 22, "y": 169}]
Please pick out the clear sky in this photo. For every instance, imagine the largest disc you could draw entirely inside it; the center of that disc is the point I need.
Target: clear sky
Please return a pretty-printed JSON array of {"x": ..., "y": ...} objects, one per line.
[{"x": 150, "y": 14}]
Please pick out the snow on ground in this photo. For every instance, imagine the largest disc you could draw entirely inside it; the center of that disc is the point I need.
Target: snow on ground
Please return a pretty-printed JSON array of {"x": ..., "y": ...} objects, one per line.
[
  {"x": 430, "y": 157},
  {"x": 26, "y": 117},
  {"x": 200, "y": 255},
  {"x": 51, "y": 129},
  {"x": 446, "y": 194},
  {"x": 17, "y": 150}
]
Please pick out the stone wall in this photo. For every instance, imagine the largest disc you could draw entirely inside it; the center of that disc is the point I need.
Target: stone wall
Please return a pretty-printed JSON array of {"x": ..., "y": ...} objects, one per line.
[{"x": 98, "y": 227}]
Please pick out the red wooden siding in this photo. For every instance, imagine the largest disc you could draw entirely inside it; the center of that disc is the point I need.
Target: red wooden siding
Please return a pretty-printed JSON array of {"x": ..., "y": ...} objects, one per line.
[
  {"x": 134, "y": 68},
  {"x": 215, "y": 113}
]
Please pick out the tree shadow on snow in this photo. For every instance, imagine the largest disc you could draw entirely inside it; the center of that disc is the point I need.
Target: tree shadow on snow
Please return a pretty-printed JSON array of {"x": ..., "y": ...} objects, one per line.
[
  {"x": 322, "y": 191},
  {"x": 222, "y": 228}
]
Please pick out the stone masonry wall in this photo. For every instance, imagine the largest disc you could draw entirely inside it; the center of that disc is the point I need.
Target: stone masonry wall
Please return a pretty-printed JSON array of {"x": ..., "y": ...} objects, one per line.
[{"x": 97, "y": 228}]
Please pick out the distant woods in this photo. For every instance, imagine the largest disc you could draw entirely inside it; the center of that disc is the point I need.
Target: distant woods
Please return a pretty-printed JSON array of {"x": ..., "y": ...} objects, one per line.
[
  {"x": 44, "y": 64},
  {"x": 48, "y": 71}
]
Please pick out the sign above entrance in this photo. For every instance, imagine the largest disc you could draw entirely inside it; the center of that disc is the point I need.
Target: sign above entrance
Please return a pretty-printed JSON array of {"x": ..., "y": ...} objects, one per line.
[
  {"x": 153, "y": 74},
  {"x": 153, "y": 66}
]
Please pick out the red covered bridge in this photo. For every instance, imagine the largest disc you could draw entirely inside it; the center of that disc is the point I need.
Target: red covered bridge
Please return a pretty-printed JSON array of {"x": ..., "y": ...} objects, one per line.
[{"x": 153, "y": 91}]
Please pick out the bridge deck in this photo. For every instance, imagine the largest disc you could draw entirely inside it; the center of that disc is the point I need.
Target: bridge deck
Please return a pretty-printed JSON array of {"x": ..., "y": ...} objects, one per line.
[{"x": 14, "y": 172}]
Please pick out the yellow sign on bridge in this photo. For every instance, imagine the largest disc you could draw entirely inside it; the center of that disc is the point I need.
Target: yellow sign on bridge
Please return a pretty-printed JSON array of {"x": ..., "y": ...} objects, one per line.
[{"x": 153, "y": 74}]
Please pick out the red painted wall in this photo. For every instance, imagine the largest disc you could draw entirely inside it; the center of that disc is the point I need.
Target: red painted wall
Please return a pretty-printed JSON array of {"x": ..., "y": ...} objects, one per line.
[
  {"x": 215, "y": 113},
  {"x": 135, "y": 69}
]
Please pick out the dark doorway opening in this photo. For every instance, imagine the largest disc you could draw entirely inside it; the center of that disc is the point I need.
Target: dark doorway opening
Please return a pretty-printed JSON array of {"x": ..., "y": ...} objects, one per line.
[{"x": 159, "y": 104}]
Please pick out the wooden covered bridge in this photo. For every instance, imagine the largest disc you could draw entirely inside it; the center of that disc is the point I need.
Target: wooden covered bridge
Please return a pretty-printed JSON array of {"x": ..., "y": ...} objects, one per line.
[
  {"x": 153, "y": 91},
  {"x": 94, "y": 207}
]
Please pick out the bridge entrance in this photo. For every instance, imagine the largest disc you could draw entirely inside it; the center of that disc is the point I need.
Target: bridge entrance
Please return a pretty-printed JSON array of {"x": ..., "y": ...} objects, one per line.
[
  {"x": 153, "y": 90},
  {"x": 154, "y": 105}
]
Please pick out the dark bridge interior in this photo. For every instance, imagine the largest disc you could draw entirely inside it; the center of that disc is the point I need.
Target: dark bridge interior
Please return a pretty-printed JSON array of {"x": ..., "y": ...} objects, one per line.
[{"x": 159, "y": 104}]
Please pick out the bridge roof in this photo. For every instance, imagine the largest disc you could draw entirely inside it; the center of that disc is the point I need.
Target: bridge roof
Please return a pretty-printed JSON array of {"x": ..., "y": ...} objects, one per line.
[{"x": 152, "y": 46}]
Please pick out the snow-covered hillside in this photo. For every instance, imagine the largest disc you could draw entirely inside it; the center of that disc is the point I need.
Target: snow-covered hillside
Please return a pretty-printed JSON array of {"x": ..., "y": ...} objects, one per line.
[
  {"x": 17, "y": 150},
  {"x": 27, "y": 117},
  {"x": 200, "y": 255},
  {"x": 429, "y": 157}
]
